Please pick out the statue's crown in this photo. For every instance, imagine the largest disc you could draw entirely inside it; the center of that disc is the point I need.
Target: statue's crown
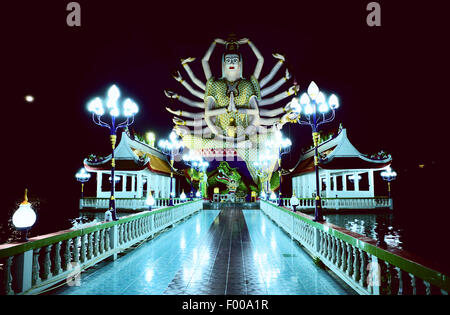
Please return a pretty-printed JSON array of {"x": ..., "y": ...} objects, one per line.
[{"x": 232, "y": 46}]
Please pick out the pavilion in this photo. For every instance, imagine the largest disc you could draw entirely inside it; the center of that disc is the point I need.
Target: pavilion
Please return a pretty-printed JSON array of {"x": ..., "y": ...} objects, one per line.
[
  {"x": 140, "y": 169},
  {"x": 344, "y": 172}
]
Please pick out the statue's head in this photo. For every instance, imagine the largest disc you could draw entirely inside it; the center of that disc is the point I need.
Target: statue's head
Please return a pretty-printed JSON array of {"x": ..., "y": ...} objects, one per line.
[{"x": 232, "y": 62}]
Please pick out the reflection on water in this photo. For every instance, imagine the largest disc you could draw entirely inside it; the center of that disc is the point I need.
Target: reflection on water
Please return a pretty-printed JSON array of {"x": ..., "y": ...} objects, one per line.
[
  {"x": 378, "y": 226},
  {"x": 413, "y": 231}
]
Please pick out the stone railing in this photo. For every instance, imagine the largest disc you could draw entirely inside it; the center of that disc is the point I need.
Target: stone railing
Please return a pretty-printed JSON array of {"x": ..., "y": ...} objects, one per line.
[
  {"x": 43, "y": 261},
  {"x": 343, "y": 203},
  {"x": 357, "y": 260},
  {"x": 124, "y": 203}
]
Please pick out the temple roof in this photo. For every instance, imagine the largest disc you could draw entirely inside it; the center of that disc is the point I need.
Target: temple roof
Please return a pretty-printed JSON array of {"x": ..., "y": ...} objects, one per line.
[
  {"x": 132, "y": 155},
  {"x": 338, "y": 153}
]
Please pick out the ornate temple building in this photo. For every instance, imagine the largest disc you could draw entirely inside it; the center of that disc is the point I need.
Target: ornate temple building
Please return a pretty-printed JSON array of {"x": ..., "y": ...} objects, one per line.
[
  {"x": 139, "y": 170},
  {"x": 344, "y": 172}
]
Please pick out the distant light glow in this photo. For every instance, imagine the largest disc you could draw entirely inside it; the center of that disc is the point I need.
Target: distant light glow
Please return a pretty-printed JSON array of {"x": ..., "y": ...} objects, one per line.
[
  {"x": 130, "y": 108},
  {"x": 309, "y": 110},
  {"x": 24, "y": 217},
  {"x": 273, "y": 196},
  {"x": 389, "y": 174},
  {"x": 183, "y": 196},
  {"x": 29, "y": 98},
  {"x": 313, "y": 90},
  {"x": 113, "y": 93},
  {"x": 320, "y": 98},
  {"x": 333, "y": 101},
  {"x": 82, "y": 175},
  {"x": 323, "y": 108},
  {"x": 304, "y": 99},
  {"x": 150, "y": 200},
  {"x": 96, "y": 106},
  {"x": 295, "y": 106}
]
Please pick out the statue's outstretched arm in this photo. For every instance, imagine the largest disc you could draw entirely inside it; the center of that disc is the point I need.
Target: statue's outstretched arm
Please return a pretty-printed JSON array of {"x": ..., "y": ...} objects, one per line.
[
  {"x": 192, "y": 123},
  {"x": 274, "y": 70},
  {"x": 171, "y": 94},
  {"x": 276, "y": 85},
  {"x": 260, "y": 63},
  {"x": 269, "y": 121},
  {"x": 183, "y": 113},
  {"x": 272, "y": 112},
  {"x": 185, "y": 63},
  {"x": 287, "y": 109},
  {"x": 177, "y": 76},
  {"x": 293, "y": 89},
  {"x": 205, "y": 60},
  {"x": 184, "y": 130}
]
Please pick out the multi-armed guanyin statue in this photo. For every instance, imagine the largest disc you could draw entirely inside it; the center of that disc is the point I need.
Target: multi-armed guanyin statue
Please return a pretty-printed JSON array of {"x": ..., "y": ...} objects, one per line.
[{"x": 231, "y": 117}]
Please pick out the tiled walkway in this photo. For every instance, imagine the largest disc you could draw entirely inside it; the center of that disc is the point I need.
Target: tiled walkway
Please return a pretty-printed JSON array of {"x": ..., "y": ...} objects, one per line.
[{"x": 234, "y": 252}]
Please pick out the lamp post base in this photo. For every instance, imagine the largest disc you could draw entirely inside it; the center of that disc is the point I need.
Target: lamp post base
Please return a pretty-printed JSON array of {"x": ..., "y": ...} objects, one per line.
[{"x": 318, "y": 217}]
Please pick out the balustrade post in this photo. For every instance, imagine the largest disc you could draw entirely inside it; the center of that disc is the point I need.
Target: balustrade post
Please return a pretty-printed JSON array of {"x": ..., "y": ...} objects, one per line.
[
  {"x": 362, "y": 269},
  {"x": 96, "y": 243},
  {"x": 355, "y": 264},
  {"x": 349, "y": 260},
  {"x": 23, "y": 271},
  {"x": 343, "y": 260},
  {"x": 107, "y": 239},
  {"x": 90, "y": 248},
  {"x": 66, "y": 266},
  {"x": 101, "y": 241},
  {"x": 47, "y": 262},
  {"x": 7, "y": 275},
  {"x": 114, "y": 240},
  {"x": 316, "y": 244},
  {"x": 82, "y": 240},
  {"x": 400, "y": 280},
  {"x": 75, "y": 253},
  {"x": 36, "y": 279},
  {"x": 333, "y": 250},
  {"x": 329, "y": 246},
  {"x": 413, "y": 283},
  {"x": 374, "y": 276},
  {"x": 427, "y": 287},
  {"x": 388, "y": 278},
  {"x": 338, "y": 253},
  {"x": 57, "y": 259}
]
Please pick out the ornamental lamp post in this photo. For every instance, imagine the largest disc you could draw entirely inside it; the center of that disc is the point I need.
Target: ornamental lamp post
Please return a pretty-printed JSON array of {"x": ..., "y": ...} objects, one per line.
[
  {"x": 24, "y": 218},
  {"x": 313, "y": 110},
  {"x": 98, "y": 107},
  {"x": 82, "y": 176},
  {"x": 284, "y": 146},
  {"x": 389, "y": 175},
  {"x": 171, "y": 148}
]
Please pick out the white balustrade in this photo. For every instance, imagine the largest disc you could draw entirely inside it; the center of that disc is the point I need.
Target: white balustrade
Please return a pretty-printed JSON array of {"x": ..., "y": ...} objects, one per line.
[
  {"x": 29, "y": 268},
  {"x": 367, "y": 268},
  {"x": 341, "y": 203}
]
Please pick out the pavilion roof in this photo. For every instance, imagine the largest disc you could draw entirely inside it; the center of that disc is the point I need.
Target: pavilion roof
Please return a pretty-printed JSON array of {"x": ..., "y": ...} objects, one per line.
[
  {"x": 338, "y": 153},
  {"x": 132, "y": 155}
]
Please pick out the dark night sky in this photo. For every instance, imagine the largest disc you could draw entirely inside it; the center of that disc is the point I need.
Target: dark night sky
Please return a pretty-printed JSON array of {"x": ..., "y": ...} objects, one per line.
[{"x": 391, "y": 80}]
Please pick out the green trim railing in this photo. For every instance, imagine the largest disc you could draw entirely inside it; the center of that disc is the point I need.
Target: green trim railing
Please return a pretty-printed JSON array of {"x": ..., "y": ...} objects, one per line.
[
  {"x": 356, "y": 259},
  {"x": 47, "y": 260}
]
